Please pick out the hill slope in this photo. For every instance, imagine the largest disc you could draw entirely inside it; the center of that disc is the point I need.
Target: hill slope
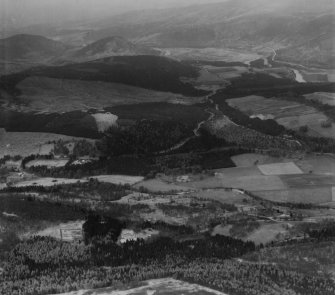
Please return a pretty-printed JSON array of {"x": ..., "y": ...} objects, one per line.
[
  {"x": 150, "y": 72},
  {"x": 247, "y": 24},
  {"x": 30, "y": 48},
  {"x": 111, "y": 46}
]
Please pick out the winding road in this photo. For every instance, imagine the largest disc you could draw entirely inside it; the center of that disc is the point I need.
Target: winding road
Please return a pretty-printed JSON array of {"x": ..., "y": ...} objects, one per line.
[{"x": 196, "y": 131}]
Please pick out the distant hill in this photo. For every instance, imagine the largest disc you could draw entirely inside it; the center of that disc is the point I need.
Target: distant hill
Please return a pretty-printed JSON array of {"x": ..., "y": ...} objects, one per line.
[
  {"x": 30, "y": 48},
  {"x": 244, "y": 24},
  {"x": 112, "y": 46}
]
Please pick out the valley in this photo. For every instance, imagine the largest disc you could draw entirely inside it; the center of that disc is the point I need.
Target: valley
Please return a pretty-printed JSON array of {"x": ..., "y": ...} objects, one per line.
[{"x": 185, "y": 150}]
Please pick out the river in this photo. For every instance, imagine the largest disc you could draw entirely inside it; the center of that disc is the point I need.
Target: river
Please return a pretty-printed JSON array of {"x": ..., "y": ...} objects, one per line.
[{"x": 298, "y": 76}]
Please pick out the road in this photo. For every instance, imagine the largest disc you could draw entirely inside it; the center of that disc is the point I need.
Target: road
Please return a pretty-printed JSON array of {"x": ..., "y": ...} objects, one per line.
[{"x": 196, "y": 131}]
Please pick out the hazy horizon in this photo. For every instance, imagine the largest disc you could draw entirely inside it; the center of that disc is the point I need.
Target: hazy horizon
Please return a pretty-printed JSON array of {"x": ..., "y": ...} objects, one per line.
[{"x": 16, "y": 13}]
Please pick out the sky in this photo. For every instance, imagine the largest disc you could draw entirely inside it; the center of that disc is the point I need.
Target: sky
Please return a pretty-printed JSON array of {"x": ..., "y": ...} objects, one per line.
[{"x": 29, "y": 12}]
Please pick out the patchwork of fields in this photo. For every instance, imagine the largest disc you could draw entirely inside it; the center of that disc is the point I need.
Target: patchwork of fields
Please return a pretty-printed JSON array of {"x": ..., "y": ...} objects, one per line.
[
  {"x": 307, "y": 180},
  {"x": 161, "y": 286},
  {"x": 29, "y": 143},
  {"x": 291, "y": 115},
  {"x": 323, "y": 97}
]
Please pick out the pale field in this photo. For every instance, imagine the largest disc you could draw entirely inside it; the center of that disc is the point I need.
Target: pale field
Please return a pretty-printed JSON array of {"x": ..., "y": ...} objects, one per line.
[
  {"x": 324, "y": 164},
  {"x": 51, "y": 95},
  {"x": 48, "y": 163},
  {"x": 251, "y": 182},
  {"x": 48, "y": 181},
  {"x": 221, "y": 195},
  {"x": 166, "y": 286},
  {"x": 212, "y": 54},
  {"x": 118, "y": 179},
  {"x": 308, "y": 180},
  {"x": 153, "y": 200},
  {"x": 159, "y": 185},
  {"x": 130, "y": 235},
  {"x": 159, "y": 215},
  {"x": 323, "y": 97},
  {"x": 267, "y": 233},
  {"x": 280, "y": 169},
  {"x": 70, "y": 231},
  {"x": 250, "y": 159},
  {"x": 28, "y": 143},
  {"x": 105, "y": 121},
  {"x": 238, "y": 172},
  {"x": 314, "y": 195},
  {"x": 291, "y": 115}
]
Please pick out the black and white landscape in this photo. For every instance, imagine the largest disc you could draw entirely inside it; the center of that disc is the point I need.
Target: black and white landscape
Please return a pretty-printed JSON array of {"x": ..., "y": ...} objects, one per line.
[{"x": 167, "y": 147}]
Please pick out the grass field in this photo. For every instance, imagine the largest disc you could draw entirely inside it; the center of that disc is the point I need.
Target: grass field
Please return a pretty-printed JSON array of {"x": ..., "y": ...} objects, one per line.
[
  {"x": 119, "y": 179},
  {"x": 222, "y": 196},
  {"x": 105, "y": 121},
  {"x": 250, "y": 182},
  {"x": 291, "y": 115},
  {"x": 159, "y": 185},
  {"x": 323, "y": 97},
  {"x": 267, "y": 233},
  {"x": 28, "y": 143},
  {"x": 324, "y": 164},
  {"x": 211, "y": 54},
  {"x": 48, "y": 181},
  {"x": 308, "y": 180},
  {"x": 48, "y": 163},
  {"x": 246, "y": 160},
  {"x": 167, "y": 286},
  {"x": 238, "y": 172},
  {"x": 280, "y": 169},
  {"x": 69, "y": 231},
  {"x": 315, "y": 195},
  {"x": 43, "y": 94}
]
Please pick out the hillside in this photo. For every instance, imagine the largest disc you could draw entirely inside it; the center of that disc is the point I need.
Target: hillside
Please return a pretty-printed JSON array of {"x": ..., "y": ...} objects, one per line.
[
  {"x": 150, "y": 72},
  {"x": 30, "y": 48},
  {"x": 255, "y": 25},
  {"x": 111, "y": 46}
]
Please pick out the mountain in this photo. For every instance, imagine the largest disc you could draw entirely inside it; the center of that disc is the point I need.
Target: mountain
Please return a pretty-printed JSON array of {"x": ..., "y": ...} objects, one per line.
[
  {"x": 245, "y": 24},
  {"x": 112, "y": 46},
  {"x": 30, "y": 48}
]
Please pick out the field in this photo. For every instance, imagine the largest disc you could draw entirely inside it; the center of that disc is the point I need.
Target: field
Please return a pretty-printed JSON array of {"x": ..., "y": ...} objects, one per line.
[
  {"x": 119, "y": 179},
  {"x": 280, "y": 169},
  {"x": 28, "y": 143},
  {"x": 131, "y": 235},
  {"x": 50, "y": 95},
  {"x": 265, "y": 233},
  {"x": 324, "y": 164},
  {"x": 69, "y": 231},
  {"x": 291, "y": 115},
  {"x": 47, "y": 181},
  {"x": 159, "y": 185},
  {"x": 105, "y": 121},
  {"x": 221, "y": 195},
  {"x": 166, "y": 286},
  {"x": 323, "y": 97},
  {"x": 315, "y": 195},
  {"x": 48, "y": 163},
  {"x": 246, "y": 160},
  {"x": 211, "y": 54},
  {"x": 215, "y": 77}
]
